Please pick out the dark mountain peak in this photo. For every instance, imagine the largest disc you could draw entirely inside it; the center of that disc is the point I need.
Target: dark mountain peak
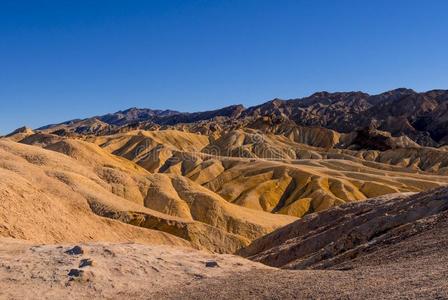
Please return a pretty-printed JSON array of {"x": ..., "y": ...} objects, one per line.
[
  {"x": 265, "y": 108},
  {"x": 391, "y": 96},
  {"x": 131, "y": 109},
  {"x": 440, "y": 95},
  {"x": 134, "y": 114},
  {"x": 228, "y": 111},
  {"x": 321, "y": 94},
  {"x": 325, "y": 94},
  {"x": 233, "y": 111},
  {"x": 327, "y": 97},
  {"x": 234, "y": 107},
  {"x": 277, "y": 102},
  {"x": 23, "y": 129},
  {"x": 136, "y": 110},
  {"x": 402, "y": 91}
]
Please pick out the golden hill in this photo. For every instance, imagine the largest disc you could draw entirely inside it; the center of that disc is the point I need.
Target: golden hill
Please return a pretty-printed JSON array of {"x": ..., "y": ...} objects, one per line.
[
  {"x": 87, "y": 192},
  {"x": 45, "y": 198},
  {"x": 263, "y": 172},
  {"x": 273, "y": 173},
  {"x": 306, "y": 185},
  {"x": 151, "y": 148}
]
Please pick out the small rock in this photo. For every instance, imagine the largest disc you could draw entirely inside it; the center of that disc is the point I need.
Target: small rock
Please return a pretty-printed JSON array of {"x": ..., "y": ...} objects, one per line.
[
  {"x": 75, "y": 273},
  {"x": 87, "y": 262},
  {"x": 77, "y": 250},
  {"x": 211, "y": 264}
]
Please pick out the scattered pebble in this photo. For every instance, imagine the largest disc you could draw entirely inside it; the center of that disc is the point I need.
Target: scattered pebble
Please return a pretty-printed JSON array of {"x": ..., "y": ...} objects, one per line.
[
  {"x": 77, "y": 250},
  {"x": 75, "y": 273},
  {"x": 198, "y": 276},
  {"x": 211, "y": 264},
  {"x": 86, "y": 262},
  {"x": 80, "y": 275}
]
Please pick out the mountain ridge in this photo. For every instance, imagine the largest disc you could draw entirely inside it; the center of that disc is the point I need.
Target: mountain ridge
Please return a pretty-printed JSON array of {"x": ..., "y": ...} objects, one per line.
[{"x": 423, "y": 117}]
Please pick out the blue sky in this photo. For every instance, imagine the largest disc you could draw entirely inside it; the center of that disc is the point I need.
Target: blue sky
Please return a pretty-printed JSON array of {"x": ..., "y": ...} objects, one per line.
[{"x": 66, "y": 59}]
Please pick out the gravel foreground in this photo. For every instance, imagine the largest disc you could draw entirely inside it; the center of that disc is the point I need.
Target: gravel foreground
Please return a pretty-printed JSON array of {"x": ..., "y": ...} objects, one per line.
[{"x": 134, "y": 271}]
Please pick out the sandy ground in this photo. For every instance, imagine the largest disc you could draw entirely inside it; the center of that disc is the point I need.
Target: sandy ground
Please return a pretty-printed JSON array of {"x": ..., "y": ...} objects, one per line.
[
  {"x": 134, "y": 271},
  {"x": 119, "y": 271}
]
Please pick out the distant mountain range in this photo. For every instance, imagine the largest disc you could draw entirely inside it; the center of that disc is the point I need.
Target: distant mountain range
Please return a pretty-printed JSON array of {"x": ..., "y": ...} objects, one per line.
[{"x": 423, "y": 117}]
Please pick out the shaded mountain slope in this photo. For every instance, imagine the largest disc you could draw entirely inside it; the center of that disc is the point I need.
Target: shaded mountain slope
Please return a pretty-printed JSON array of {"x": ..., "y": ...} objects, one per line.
[
  {"x": 358, "y": 234},
  {"x": 421, "y": 116}
]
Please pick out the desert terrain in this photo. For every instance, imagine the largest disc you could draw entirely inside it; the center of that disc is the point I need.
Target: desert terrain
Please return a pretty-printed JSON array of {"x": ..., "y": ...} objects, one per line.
[{"x": 298, "y": 198}]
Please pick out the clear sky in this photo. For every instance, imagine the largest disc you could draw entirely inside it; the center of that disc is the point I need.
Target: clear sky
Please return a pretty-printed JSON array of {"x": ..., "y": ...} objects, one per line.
[{"x": 66, "y": 59}]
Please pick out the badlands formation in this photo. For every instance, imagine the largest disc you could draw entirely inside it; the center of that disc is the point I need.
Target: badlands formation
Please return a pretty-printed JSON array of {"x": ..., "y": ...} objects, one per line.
[{"x": 296, "y": 198}]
